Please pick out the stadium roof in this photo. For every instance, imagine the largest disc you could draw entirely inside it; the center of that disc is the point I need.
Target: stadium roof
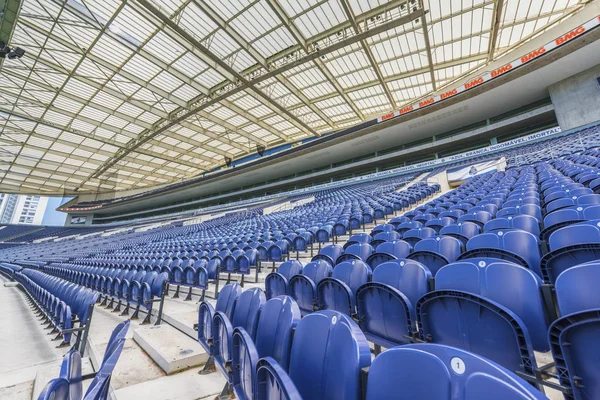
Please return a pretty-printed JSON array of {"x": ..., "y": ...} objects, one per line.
[{"x": 114, "y": 94}]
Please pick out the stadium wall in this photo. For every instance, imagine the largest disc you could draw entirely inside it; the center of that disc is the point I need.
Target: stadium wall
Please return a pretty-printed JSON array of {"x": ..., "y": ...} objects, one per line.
[{"x": 577, "y": 99}]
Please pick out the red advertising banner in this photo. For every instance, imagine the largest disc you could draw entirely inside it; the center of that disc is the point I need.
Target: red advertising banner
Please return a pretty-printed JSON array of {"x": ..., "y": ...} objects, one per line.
[{"x": 588, "y": 26}]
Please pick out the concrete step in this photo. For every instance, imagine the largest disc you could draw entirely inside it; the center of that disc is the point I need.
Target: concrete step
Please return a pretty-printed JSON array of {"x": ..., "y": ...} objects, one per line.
[
  {"x": 50, "y": 371},
  {"x": 183, "y": 321},
  {"x": 170, "y": 349},
  {"x": 19, "y": 391},
  {"x": 186, "y": 385}
]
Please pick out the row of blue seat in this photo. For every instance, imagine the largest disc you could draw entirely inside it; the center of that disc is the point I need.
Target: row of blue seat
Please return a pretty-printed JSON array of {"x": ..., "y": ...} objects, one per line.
[
  {"x": 58, "y": 301},
  {"x": 138, "y": 288},
  {"x": 266, "y": 351},
  {"x": 9, "y": 270},
  {"x": 475, "y": 302}
]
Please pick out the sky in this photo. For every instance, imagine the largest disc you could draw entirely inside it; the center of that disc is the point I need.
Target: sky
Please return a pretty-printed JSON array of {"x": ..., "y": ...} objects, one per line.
[{"x": 53, "y": 217}]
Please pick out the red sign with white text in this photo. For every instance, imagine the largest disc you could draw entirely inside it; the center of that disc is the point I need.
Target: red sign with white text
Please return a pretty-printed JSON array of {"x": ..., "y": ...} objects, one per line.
[{"x": 498, "y": 71}]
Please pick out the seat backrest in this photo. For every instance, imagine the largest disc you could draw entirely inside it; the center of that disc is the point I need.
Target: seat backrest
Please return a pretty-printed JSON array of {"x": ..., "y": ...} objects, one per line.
[
  {"x": 406, "y": 226},
  {"x": 383, "y": 228},
  {"x": 247, "y": 310},
  {"x": 272, "y": 382},
  {"x": 387, "y": 236},
  {"x": 415, "y": 235},
  {"x": 478, "y": 324},
  {"x": 520, "y": 243},
  {"x": 117, "y": 334},
  {"x": 55, "y": 389},
  {"x": 289, "y": 269},
  {"x": 466, "y": 229},
  {"x": 581, "y": 233},
  {"x": 331, "y": 252},
  {"x": 396, "y": 248},
  {"x": 361, "y": 238},
  {"x": 353, "y": 273},
  {"x": 360, "y": 250},
  {"x": 410, "y": 277},
  {"x": 317, "y": 270},
  {"x": 577, "y": 288},
  {"x": 513, "y": 286},
  {"x": 157, "y": 284},
  {"x": 433, "y": 371},
  {"x": 226, "y": 301},
  {"x": 447, "y": 246},
  {"x": 70, "y": 370},
  {"x": 328, "y": 352},
  {"x": 523, "y": 222},
  {"x": 98, "y": 389},
  {"x": 278, "y": 319}
]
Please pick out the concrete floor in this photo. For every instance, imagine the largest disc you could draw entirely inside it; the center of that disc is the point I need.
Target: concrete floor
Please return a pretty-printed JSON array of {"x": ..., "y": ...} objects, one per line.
[
  {"x": 20, "y": 331},
  {"x": 26, "y": 350}
]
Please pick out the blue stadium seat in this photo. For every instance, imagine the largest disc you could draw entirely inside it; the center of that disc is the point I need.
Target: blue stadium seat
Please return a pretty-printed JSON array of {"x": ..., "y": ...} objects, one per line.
[
  {"x": 279, "y": 251},
  {"x": 463, "y": 231},
  {"x": 510, "y": 285},
  {"x": 475, "y": 323},
  {"x": 278, "y": 320},
  {"x": 577, "y": 288},
  {"x": 69, "y": 384},
  {"x": 438, "y": 372},
  {"x": 569, "y": 246},
  {"x": 389, "y": 251},
  {"x": 438, "y": 223},
  {"x": 383, "y": 237},
  {"x": 386, "y": 305},
  {"x": 328, "y": 353},
  {"x": 303, "y": 287},
  {"x": 263, "y": 250},
  {"x": 272, "y": 382},
  {"x": 358, "y": 251},
  {"x": 303, "y": 241},
  {"x": 246, "y": 315},
  {"x": 512, "y": 245},
  {"x": 523, "y": 222},
  {"x": 329, "y": 253},
  {"x": 324, "y": 234},
  {"x": 574, "y": 337},
  {"x": 277, "y": 283},
  {"x": 527, "y": 209},
  {"x": 415, "y": 235},
  {"x": 398, "y": 220},
  {"x": 453, "y": 214},
  {"x": 358, "y": 238},
  {"x": 568, "y": 216},
  {"x": 436, "y": 252},
  {"x": 226, "y": 302},
  {"x": 57, "y": 388},
  {"x": 406, "y": 226},
  {"x": 382, "y": 228},
  {"x": 249, "y": 258},
  {"x": 339, "y": 292},
  {"x": 477, "y": 217}
]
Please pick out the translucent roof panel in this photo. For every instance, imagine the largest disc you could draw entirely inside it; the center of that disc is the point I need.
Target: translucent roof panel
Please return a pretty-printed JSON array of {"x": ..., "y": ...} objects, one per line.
[{"x": 115, "y": 95}]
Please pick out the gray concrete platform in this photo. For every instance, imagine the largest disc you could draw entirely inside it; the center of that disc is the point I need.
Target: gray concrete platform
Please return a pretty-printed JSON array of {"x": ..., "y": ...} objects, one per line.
[
  {"x": 169, "y": 348},
  {"x": 186, "y": 385},
  {"x": 134, "y": 365},
  {"x": 18, "y": 391}
]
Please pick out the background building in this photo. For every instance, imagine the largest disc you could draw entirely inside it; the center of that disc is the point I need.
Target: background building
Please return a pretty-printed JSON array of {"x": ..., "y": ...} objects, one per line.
[
  {"x": 31, "y": 210},
  {"x": 8, "y": 203}
]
